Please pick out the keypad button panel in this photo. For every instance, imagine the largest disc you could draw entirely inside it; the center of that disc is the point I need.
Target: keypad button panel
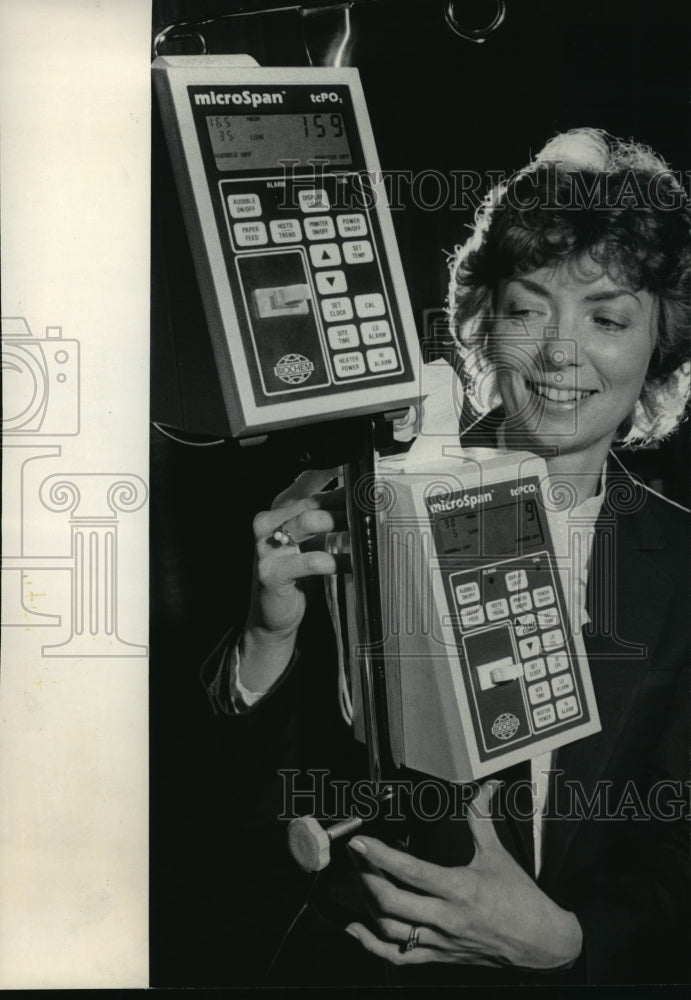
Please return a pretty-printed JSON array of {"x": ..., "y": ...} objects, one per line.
[
  {"x": 521, "y": 600},
  {"x": 341, "y": 256}
]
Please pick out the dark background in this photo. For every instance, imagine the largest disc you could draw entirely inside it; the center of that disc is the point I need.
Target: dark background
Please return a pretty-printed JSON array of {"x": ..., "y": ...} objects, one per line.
[{"x": 436, "y": 102}]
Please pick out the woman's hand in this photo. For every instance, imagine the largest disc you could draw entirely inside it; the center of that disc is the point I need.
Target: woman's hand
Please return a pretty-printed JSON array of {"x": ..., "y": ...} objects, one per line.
[
  {"x": 488, "y": 913},
  {"x": 278, "y": 601}
]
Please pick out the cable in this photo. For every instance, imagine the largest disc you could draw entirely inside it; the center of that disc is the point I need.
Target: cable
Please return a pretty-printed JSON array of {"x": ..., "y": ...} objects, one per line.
[
  {"x": 161, "y": 37},
  {"x": 189, "y": 440},
  {"x": 292, "y": 924},
  {"x": 478, "y": 35}
]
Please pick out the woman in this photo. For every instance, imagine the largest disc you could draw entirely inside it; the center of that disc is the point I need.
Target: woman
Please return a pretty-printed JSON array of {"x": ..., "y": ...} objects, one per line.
[{"x": 571, "y": 305}]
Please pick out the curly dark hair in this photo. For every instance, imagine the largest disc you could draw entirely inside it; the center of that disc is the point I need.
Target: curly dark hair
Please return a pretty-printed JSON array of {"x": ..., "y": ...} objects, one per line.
[{"x": 587, "y": 195}]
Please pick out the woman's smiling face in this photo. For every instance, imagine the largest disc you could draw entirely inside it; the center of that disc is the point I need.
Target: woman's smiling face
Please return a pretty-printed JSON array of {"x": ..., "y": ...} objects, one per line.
[{"x": 571, "y": 347}]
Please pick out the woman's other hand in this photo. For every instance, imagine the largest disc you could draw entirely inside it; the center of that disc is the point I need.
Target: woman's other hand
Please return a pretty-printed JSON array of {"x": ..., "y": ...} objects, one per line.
[{"x": 490, "y": 912}]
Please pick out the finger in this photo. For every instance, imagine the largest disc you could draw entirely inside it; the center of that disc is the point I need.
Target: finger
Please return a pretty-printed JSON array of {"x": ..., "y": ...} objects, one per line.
[
  {"x": 282, "y": 572},
  {"x": 304, "y": 526},
  {"x": 307, "y": 483},
  {"x": 411, "y": 871},
  {"x": 480, "y": 817},
  {"x": 312, "y": 522},
  {"x": 392, "y": 952},
  {"x": 331, "y": 499},
  {"x": 267, "y": 521}
]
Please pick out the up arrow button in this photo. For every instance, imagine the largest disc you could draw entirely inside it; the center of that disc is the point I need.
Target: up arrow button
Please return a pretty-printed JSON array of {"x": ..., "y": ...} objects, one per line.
[{"x": 325, "y": 254}]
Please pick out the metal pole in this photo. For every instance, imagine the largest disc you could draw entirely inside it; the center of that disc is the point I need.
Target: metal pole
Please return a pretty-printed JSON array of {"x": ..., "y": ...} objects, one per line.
[{"x": 362, "y": 522}]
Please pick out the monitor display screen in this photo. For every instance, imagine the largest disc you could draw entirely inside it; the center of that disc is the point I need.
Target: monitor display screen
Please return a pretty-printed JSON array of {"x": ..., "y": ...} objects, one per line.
[
  {"x": 259, "y": 142},
  {"x": 502, "y": 530}
]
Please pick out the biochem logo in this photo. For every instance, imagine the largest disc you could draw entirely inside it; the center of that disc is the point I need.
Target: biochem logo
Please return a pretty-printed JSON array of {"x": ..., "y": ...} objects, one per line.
[
  {"x": 294, "y": 369},
  {"x": 505, "y": 726}
]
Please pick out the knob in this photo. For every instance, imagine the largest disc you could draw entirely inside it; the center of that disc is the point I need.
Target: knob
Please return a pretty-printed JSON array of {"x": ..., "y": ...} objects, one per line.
[{"x": 310, "y": 843}]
